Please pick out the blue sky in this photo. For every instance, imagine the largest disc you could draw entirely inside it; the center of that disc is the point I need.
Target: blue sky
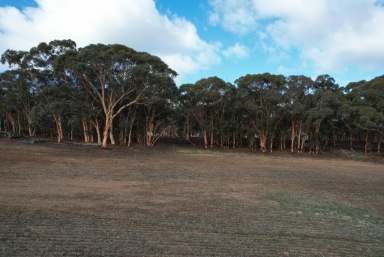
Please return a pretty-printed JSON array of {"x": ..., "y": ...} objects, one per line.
[
  {"x": 227, "y": 38},
  {"x": 229, "y": 69}
]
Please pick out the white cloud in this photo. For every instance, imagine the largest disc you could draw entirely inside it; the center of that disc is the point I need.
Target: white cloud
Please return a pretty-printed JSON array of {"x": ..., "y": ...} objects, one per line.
[
  {"x": 234, "y": 15},
  {"x": 331, "y": 34},
  {"x": 136, "y": 23},
  {"x": 236, "y": 51}
]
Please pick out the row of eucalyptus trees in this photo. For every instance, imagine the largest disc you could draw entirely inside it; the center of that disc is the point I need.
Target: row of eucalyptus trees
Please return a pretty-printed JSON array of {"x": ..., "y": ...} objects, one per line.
[
  {"x": 99, "y": 92},
  {"x": 295, "y": 113},
  {"x": 112, "y": 94}
]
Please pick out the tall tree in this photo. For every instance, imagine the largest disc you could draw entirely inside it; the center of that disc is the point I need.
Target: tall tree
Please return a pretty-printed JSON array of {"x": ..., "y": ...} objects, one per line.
[
  {"x": 323, "y": 112},
  {"x": 262, "y": 95},
  {"x": 206, "y": 102},
  {"x": 299, "y": 87},
  {"x": 115, "y": 76}
]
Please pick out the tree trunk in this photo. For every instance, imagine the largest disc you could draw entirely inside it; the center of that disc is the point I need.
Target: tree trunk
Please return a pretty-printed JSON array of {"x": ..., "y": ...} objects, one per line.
[
  {"x": 221, "y": 141},
  {"x": 366, "y": 143},
  {"x": 234, "y": 140},
  {"x": 61, "y": 131},
  {"x": 293, "y": 136},
  {"x": 130, "y": 131},
  {"x": 31, "y": 132},
  {"x": 263, "y": 143},
  {"x": 299, "y": 143},
  {"x": 85, "y": 131},
  {"x": 28, "y": 117},
  {"x": 97, "y": 128},
  {"x": 212, "y": 136},
  {"x": 150, "y": 130},
  {"x": 11, "y": 121},
  {"x": 18, "y": 125},
  {"x": 130, "y": 136},
  {"x": 302, "y": 146},
  {"x": 187, "y": 129},
  {"x": 205, "y": 136},
  {"x": 111, "y": 136},
  {"x": 125, "y": 135},
  {"x": 59, "y": 127},
  {"x": 107, "y": 127},
  {"x": 281, "y": 143}
]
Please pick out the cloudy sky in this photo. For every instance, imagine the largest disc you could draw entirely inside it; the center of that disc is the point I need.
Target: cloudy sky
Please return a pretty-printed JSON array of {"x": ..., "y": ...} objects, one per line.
[{"x": 228, "y": 38}]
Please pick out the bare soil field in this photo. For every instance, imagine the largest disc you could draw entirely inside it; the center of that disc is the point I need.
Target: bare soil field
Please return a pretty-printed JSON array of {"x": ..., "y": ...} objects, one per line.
[{"x": 67, "y": 200}]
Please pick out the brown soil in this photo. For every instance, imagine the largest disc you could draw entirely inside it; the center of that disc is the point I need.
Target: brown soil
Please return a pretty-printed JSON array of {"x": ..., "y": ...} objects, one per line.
[{"x": 66, "y": 200}]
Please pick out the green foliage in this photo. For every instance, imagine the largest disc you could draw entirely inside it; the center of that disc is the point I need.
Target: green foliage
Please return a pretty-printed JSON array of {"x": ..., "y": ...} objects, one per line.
[{"x": 56, "y": 87}]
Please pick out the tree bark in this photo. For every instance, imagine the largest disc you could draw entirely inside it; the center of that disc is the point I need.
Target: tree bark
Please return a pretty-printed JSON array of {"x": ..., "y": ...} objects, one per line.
[
  {"x": 302, "y": 145},
  {"x": 212, "y": 136},
  {"x": 18, "y": 125},
  {"x": 263, "y": 143},
  {"x": 112, "y": 104},
  {"x": 205, "y": 137},
  {"x": 111, "y": 135},
  {"x": 234, "y": 140},
  {"x": 28, "y": 117},
  {"x": 281, "y": 143},
  {"x": 351, "y": 142},
  {"x": 85, "y": 131},
  {"x": 150, "y": 130},
  {"x": 97, "y": 128},
  {"x": 11, "y": 121},
  {"x": 271, "y": 144},
  {"x": 366, "y": 143},
  {"x": 130, "y": 136},
  {"x": 299, "y": 144},
  {"x": 31, "y": 132},
  {"x": 293, "y": 136},
  {"x": 131, "y": 129},
  {"x": 107, "y": 127},
  {"x": 59, "y": 127}
]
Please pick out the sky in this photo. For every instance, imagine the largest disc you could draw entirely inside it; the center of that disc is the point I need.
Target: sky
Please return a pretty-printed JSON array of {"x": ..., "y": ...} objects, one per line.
[{"x": 225, "y": 38}]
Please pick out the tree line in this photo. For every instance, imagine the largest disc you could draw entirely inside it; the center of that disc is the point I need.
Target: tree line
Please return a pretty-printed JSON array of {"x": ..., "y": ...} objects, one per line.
[{"x": 112, "y": 94}]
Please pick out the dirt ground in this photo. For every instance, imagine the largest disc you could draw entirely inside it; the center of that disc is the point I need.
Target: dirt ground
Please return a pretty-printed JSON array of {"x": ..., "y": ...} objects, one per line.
[{"x": 67, "y": 200}]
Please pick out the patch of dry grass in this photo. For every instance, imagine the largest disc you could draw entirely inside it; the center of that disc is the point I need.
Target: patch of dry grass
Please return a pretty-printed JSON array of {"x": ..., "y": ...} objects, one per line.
[{"x": 60, "y": 200}]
